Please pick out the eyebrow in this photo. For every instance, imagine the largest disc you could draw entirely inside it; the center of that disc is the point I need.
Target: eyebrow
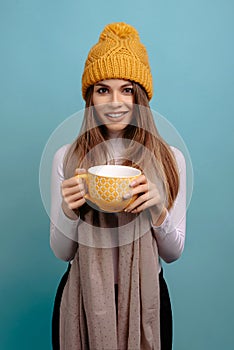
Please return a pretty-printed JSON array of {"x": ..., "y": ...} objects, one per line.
[{"x": 108, "y": 86}]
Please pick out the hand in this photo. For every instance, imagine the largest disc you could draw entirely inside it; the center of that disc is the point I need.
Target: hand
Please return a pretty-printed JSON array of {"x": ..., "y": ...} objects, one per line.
[
  {"x": 73, "y": 192},
  {"x": 148, "y": 197}
]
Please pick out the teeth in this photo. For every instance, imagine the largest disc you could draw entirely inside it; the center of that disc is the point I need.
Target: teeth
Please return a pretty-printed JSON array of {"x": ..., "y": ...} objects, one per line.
[{"x": 115, "y": 115}]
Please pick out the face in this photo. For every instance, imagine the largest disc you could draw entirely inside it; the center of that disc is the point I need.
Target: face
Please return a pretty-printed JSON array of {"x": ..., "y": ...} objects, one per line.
[{"x": 113, "y": 102}]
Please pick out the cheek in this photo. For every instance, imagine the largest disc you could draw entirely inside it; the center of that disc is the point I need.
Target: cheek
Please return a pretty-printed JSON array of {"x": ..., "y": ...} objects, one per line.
[
  {"x": 98, "y": 109},
  {"x": 99, "y": 99},
  {"x": 98, "y": 112},
  {"x": 95, "y": 100},
  {"x": 129, "y": 99}
]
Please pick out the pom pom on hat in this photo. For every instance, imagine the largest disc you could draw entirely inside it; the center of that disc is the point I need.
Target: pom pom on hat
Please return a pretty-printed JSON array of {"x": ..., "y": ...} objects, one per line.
[
  {"x": 121, "y": 30},
  {"x": 119, "y": 54}
]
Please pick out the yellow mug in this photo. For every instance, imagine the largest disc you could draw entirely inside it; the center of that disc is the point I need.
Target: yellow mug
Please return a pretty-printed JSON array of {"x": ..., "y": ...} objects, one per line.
[{"x": 107, "y": 184}]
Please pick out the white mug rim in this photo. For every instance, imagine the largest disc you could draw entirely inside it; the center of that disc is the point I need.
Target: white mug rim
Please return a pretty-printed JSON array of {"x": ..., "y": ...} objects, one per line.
[{"x": 94, "y": 171}]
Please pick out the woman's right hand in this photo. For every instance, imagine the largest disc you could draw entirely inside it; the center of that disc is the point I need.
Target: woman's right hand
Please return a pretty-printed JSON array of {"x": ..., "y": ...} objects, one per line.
[{"x": 73, "y": 192}]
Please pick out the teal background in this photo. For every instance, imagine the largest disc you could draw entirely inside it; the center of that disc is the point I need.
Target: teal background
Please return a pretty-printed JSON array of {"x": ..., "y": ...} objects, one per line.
[{"x": 43, "y": 48}]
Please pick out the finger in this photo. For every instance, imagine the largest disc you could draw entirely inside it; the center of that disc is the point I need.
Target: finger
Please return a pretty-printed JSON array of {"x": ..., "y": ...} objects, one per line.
[
  {"x": 137, "y": 202},
  {"x": 80, "y": 171},
  {"x": 139, "y": 180},
  {"x": 143, "y": 206},
  {"x": 137, "y": 190},
  {"x": 67, "y": 192},
  {"x": 75, "y": 197},
  {"x": 73, "y": 181},
  {"x": 72, "y": 190},
  {"x": 152, "y": 197},
  {"x": 151, "y": 204},
  {"x": 76, "y": 204}
]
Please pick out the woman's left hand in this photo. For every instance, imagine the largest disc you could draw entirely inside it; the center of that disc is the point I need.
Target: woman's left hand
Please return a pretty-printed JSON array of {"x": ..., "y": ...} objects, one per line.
[{"x": 148, "y": 197}]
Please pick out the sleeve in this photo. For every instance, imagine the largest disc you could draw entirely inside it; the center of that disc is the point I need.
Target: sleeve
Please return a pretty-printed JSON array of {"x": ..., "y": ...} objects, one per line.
[
  {"x": 170, "y": 235},
  {"x": 63, "y": 230}
]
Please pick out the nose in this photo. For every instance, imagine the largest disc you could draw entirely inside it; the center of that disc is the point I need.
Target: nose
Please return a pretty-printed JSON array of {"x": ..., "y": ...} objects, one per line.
[{"x": 116, "y": 99}]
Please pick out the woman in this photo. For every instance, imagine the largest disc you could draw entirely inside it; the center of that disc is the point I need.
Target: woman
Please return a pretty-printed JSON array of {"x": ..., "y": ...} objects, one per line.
[{"x": 114, "y": 294}]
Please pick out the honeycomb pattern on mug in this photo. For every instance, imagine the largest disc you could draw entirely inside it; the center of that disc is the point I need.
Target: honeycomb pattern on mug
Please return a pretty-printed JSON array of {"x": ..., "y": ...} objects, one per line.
[{"x": 109, "y": 189}]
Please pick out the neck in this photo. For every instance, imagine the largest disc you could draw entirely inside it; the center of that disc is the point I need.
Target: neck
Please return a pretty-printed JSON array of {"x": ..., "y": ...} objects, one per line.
[{"x": 115, "y": 135}]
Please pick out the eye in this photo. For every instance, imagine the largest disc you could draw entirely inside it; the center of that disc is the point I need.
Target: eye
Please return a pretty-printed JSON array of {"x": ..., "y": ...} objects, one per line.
[
  {"x": 102, "y": 90},
  {"x": 128, "y": 91}
]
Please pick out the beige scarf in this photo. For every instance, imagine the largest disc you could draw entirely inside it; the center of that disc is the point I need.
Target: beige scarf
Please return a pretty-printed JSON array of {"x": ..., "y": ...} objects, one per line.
[{"x": 88, "y": 312}]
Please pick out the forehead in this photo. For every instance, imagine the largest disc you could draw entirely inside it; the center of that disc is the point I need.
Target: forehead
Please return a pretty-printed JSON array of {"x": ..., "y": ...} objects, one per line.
[{"x": 114, "y": 82}]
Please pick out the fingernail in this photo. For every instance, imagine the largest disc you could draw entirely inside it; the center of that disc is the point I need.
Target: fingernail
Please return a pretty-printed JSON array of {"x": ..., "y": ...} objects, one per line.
[
  {"x": 132, "y": 184},
  {"x": 80, "y": 169},
  {"x": 127, "y": 195}
]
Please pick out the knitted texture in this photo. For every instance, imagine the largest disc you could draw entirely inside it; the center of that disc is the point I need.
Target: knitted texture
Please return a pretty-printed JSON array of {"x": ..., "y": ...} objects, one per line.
[{"x": 119, "y": 54}]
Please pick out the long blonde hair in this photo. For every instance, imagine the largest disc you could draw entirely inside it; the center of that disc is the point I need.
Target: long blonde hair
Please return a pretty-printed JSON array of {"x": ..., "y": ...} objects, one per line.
[{"x": 155, "y": 154}]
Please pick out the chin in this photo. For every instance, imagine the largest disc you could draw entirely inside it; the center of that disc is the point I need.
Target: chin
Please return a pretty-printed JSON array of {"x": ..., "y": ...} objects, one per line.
[{"x": 118, "y": 128}]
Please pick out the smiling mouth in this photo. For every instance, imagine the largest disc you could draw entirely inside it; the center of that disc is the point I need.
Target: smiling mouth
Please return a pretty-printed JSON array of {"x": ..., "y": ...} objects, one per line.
[{"x": 115, "y": 114}]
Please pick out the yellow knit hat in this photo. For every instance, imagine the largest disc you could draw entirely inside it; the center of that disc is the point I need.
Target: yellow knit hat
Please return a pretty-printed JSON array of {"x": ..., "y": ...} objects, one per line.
[{"x": 119, "y": 54}]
